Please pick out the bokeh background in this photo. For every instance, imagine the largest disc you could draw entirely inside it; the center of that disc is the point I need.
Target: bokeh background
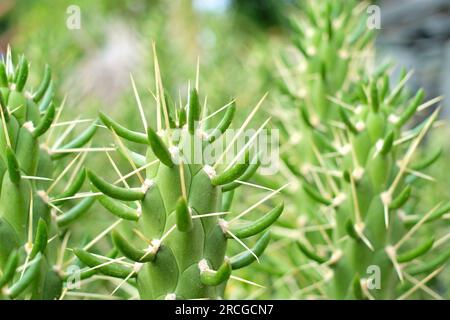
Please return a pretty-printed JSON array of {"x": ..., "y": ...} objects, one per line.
[{"x": 235, "y": 40}]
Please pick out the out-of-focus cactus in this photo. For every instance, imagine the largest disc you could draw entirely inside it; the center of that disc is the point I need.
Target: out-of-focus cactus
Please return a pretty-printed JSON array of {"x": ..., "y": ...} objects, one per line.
[
  {"x": 178, "y": 209},
  {"x": 358, "y": 234},
  {"x": 31, "y": 217}
]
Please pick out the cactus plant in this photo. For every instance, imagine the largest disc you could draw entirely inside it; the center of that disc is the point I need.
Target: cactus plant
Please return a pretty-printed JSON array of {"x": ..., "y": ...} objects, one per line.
[
  {"x": 30, "y": 213},
  {"x": 361, "y": 236},
  {"x": 179, "y": 206}
]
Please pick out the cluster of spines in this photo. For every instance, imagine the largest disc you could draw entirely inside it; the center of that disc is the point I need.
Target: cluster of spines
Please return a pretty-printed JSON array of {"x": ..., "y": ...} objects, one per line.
[{"x": 374, "y": 182}]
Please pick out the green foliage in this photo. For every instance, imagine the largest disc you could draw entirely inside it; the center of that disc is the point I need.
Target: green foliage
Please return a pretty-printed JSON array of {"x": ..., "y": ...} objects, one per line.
[{"x": 178, "y": 209}]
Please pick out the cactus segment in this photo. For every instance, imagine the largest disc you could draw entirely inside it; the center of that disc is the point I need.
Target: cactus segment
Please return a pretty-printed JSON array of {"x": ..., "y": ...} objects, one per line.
[
  {"x": 387, "y": 144},
  {"x": 114, "y": 269},
  {"x": 22, "y": 74},
  {"x": 227, "y": 200},
  {"x": 184, "y": 219},
  {"x": 374, "y": 97},
  {"x": 248, "y": 173},
  {"x": 259, "y": 225},
  {"x": 401, "y": 199},
  {"x": 73, "y": 188},
  {"x": 194, "y": 111},
  {"x": 211, "y": 277},
  {"x": 122, "y": 131},
  {"x": 30, "y": 274},
  {"x": 347, "y": 122},
  {"x": 427, "y": 161},
  {"x": 47, "y": 98},
  {"x": 46, "y": 122},
  {"x": 310, "y": 254},
  {"x": 416, "y": 252},
  {"x": 411, "y": 108},
  {"x": 3, "y": 76},
  {"x": 357, "y": 291},
  {"x": 431, "y": 265},
  {"x": 232, "y": 174},
  {"x": 10, "y": 268},
  {"x": 119, "y": 209},
  {"x": 224, "y": 124},
  {"x": 314, "y": 194},
  {"x": 40, "y": 241},
  {"x": 436, "y": 215},
  {"x": 77, "y": 142},
  {"x": 13, "y": 166},
  {"x": 130, "y": 252},
  {"x": 43, "y": 86},
  {"x": 159, "y": 148},
  {"x": 75, "y": 212}
]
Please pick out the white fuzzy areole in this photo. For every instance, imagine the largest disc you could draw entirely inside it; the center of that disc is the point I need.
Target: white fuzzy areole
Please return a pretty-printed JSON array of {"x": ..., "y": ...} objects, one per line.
[
  {"x": 390, "y": 250},
  {"x": 393, "y": 118},
  {"x": 345, "y": 149},
  {"x": 29, "y": 126},
  {"x": 148, "y": 183},
  {"x": 139, "y": 210},
  {"x": 359, "y": 109},
  {"x": 43, "y": 195},
  {"x": 311, "y": 50},
  {"x": 203, "y": 265},
  {"x": 379, "y": 145},
  {"x": 336, "y": 256},
  {"x": 137, "y": 267},
  {"x": 153, "y": 247},
  {"x": 339, "y": 199},
  {"x": 386, "y": 198},
  {"x": 358, "y": 173},
  {"x": 28, "y": 95},
  {"x": 360, "y": 126},
  {"x": 223, "y": 224}
]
